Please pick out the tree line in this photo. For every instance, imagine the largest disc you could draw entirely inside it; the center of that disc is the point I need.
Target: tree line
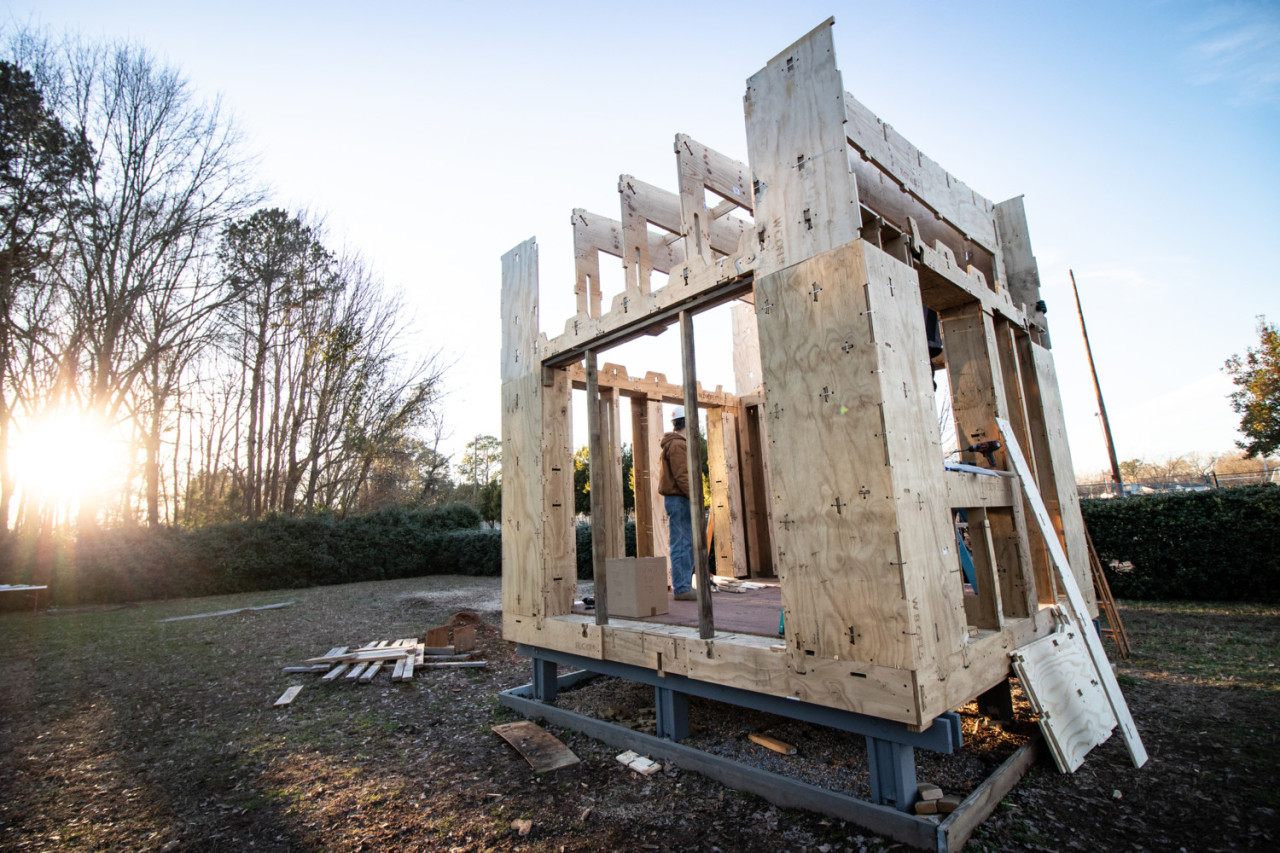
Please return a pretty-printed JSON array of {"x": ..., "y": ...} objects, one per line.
[{"x": 243, "y": 364}]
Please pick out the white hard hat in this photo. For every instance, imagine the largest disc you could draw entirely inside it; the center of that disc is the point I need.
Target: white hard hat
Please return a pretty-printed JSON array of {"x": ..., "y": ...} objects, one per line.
[{"x": 677, "y": 414}]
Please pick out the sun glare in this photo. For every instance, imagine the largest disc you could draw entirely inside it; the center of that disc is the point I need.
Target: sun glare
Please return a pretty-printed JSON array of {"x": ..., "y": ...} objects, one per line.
[{"x": 63, "y": 458}]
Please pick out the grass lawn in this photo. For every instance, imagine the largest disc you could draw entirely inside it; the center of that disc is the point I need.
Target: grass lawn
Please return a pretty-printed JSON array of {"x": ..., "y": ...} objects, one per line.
[{"x": 120, "y": 731}]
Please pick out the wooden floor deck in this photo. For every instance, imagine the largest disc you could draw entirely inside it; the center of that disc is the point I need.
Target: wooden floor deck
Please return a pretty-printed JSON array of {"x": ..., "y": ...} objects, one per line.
[{"x": 752, "y": 611}]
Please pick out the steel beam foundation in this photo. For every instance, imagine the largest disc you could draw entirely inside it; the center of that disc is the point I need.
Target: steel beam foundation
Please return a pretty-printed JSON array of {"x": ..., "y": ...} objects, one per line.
[{"x": 890, "y": 745}]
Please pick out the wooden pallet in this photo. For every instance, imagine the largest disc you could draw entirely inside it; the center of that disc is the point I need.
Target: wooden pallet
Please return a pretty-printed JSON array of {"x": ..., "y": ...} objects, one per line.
[
  {"x": 402, "y": 658},
  {"x": 362, "y": 665}
]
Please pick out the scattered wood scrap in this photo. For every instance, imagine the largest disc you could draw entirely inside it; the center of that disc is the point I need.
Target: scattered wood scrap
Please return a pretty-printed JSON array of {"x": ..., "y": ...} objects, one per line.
[
  {"x": 641, "y": 764},
  {"x": 402, "y": 658},
  {"x": 778, "y": 746},
  {"x": 458, "y": 634},
  {"x": 288, "y": 696},
  {"x": 928, "y": 791},
  {"x": 227, "y": 612},
  {"x": 932, "y": 800},
  {"x": 724, "y": 584},
  {"x": 543, "y": 750}
]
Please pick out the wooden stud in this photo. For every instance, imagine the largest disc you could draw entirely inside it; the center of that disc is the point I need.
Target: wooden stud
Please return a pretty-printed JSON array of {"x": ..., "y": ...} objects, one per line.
[
  {"x": 755, "y": 491},
  {"x": 702, "y": 574},
  {"x": 643, "y": 468},
  {"x": 729, "y": 541},
  {"x": 598, "y": 478}
]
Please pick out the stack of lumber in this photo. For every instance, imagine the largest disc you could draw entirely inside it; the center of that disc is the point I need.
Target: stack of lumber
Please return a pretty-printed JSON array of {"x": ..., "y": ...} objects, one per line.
[
  {"x": 400, "y": 657},
  {"x": 724, "y": 584}
]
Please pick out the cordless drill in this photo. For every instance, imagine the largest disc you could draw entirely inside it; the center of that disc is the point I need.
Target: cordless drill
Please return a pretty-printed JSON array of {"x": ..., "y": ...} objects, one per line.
[{"x": 987, "y": 449}]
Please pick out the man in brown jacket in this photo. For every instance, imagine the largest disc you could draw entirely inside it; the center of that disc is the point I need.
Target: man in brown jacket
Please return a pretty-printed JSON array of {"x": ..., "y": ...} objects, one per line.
[{"x": 673, "y": 485}]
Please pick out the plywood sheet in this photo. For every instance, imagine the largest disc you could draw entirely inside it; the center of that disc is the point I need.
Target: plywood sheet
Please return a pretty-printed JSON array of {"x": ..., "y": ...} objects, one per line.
[
  {"x": 834, "y": 509},
  {"x": 1064, "y": 690},
  {"x": 522, "y": 545},
  {"x": 806, "y": 199},
  {"x": 543, "y": 750},
  {"x": 929, "y": 563},
  {"x": 1076, "y": 607},
  {"x": 944, "y": 194},
  {"x": 520, "y": 310}
]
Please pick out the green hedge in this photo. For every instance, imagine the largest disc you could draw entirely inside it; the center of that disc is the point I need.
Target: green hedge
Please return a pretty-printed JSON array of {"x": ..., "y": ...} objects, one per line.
[
  {"x": 1221, "y": 545},
  {"x": 583, "y": 536},
  {"x": 135, "y": 564}
]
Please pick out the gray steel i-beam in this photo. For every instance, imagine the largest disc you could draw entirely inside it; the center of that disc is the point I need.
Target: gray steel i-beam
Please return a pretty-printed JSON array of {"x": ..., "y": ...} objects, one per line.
[
  {"x": 892, "y": 769},
  {"x": 671, "y": 710},
  {"x": 943, "y": 736},
  {"x": 545, "y": 685}
]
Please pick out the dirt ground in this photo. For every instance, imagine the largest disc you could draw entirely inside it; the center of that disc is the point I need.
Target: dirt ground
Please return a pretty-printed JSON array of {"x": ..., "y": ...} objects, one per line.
[{"x": 122, "y": 732}]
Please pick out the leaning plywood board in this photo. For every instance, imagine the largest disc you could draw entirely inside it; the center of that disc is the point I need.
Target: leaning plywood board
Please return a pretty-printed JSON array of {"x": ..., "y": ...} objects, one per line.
[
  {"x": 1078, "y": 609},
  {"x": 1064, "y": 690},
  {"x": 543, "y": 750}
]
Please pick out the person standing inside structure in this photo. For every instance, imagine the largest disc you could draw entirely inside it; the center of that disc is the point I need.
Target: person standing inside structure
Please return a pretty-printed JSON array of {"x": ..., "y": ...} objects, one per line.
[{"x": 673, "y": 485}]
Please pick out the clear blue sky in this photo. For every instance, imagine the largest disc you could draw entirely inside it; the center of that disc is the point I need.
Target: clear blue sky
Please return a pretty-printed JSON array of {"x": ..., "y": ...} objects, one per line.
[{"x": 1145, "y": 137}]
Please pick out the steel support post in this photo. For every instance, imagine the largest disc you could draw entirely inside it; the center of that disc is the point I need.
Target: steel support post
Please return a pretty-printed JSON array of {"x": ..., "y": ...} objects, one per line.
[
  {"x": 544, "y": 680},
  {"x": 672, "y": 712},
  {"x": 893, "y": 773}
]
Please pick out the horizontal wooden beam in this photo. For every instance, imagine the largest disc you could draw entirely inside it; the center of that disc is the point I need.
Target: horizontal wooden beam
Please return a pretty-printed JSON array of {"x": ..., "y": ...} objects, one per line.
[
  {"x": 662, "y": 208},
  {"x": 635, "y": 315},
  {"x": 936, "y": 188},
  {"x": 965, "y": 490},
  {"x": 706, "y": 167},
  {"x": 654, "y": 386}
]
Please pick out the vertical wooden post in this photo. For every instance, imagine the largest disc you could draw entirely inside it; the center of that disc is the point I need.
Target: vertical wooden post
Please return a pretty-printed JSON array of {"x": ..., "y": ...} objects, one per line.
[
  {"x": 610, "y": 465},
  {"x": 596, "y": 459},
  {"x": 693, "y": 443},
  {"x": 977, "y": 399},
  {"x": 641, "y": 467}
]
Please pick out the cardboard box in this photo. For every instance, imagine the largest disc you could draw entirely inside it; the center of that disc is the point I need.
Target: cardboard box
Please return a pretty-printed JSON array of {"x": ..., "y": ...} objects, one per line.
[{"x": 636, "y": 586}]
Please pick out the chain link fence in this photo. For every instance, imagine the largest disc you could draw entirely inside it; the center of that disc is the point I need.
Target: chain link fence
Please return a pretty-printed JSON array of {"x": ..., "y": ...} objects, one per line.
[{"x": 1182, "y": 483}]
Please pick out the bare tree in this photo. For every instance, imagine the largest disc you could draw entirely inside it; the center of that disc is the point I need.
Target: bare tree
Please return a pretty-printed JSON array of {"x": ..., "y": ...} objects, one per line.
[
  {"x": 39, "y": 160},
  {"x": 165, "y": 172}
]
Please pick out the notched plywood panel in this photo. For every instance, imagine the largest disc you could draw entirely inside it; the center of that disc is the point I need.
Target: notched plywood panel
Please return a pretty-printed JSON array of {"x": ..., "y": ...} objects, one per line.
[
  {"x": 805, "y": 196},
  {"x": 924, "y": 529},
  {"x": 522, "y": 504},
  {"x": 520, "y": 310},
  {"x": 559, "y": 542},
  {"x": 1063, "y": 687},
  {"x": 834, "y": 509}
]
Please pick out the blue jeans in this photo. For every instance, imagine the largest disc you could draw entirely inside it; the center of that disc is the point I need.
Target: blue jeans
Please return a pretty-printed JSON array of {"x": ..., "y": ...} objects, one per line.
[{"x": 681, "y": 525}]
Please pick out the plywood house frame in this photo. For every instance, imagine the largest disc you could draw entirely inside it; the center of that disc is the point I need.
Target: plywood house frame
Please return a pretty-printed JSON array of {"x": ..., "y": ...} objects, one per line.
[{"x": 826, "y": 464}]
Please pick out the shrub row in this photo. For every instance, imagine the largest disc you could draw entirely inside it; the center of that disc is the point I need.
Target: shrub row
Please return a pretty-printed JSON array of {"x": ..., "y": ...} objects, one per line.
[
  {"x": 135, "y": 564},
  {"x": 1221, "y": 545},
  {"x": 583, "y": 537}
]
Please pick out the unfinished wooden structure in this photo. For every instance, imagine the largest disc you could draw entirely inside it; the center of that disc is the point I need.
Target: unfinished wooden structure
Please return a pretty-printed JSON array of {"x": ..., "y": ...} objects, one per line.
[{"x": 826, "y": 464}]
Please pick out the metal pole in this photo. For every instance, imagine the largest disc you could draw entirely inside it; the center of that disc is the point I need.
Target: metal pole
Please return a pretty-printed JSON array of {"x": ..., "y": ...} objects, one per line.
[
  {"x": 1102, "y": 408},
  {"x": 596, "y": 459},
  {"x": 693, "y": 444}
]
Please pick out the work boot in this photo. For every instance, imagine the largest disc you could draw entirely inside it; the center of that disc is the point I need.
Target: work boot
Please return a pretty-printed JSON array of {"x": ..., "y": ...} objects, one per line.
[{"x": 687, "y": 595}]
